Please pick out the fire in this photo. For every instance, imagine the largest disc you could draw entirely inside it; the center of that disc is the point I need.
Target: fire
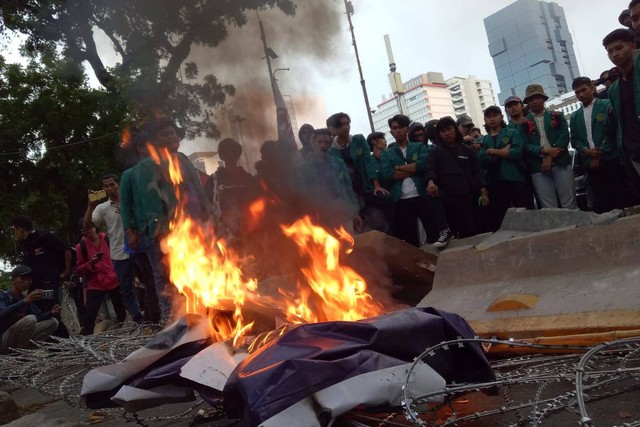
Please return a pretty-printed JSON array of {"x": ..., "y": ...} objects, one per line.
[
  {"x": 125, "y": 139},
  {"x": 209, "y": 275},
  {"x": 341, "y": 291}
]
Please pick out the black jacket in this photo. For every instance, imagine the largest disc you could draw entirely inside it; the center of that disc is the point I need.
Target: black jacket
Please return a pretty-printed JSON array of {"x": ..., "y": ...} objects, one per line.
[{"x": 456, "y": 170}]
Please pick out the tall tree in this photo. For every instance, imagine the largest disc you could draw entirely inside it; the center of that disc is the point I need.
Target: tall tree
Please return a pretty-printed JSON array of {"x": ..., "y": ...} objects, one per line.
[
  {"x": 57, "y": 137},
  {"x": 153, "y": 39}
]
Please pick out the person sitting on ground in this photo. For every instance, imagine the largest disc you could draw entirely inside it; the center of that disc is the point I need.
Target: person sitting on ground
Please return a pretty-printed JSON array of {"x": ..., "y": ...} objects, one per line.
[
  {"x": 21, "y": 321},
  {"x": 93, "y": 261},
  {"x": 50, "y": 260}
]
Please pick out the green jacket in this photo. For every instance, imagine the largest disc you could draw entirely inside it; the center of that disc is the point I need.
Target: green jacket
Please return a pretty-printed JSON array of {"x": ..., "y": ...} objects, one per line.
[
  {"x": 392, "y": 157},
  {"x": 498, "y": 168},
  {"x": 364, "y": 163},
  {"x": 558, "y": 136},
  {"x": 148, "y": 198},
  {"x": 602, "y": 128},
  {"x": 614, "y": 96},
  {"x": 342, "y": 183}
]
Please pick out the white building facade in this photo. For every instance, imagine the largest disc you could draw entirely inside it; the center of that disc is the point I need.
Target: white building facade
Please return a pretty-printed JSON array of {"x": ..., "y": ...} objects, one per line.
[
  {"x": 471, "y": 96},
  {"x": 426, "y": 97}
]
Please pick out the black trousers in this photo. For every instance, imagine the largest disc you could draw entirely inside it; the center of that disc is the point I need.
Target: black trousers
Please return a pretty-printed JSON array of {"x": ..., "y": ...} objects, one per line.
[
  {"x": 379, "y": 212},
  {"x": 94, "y": 299},
  {"x": 632, "y": 184},
  {"x": 429, "y": 210},
  {"x": 504, "y": 195},
  {"x": 606, "y": 186},
  {"x": 460, "y": 211},
  {"x": 148, "y": 298}
]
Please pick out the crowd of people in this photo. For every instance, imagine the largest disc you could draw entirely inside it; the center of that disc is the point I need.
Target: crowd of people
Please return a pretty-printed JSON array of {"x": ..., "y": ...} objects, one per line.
[{"x": 435, "y": 181}]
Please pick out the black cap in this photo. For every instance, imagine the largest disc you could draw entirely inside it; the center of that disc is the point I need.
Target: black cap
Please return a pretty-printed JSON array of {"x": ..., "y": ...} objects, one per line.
[
  {"x": 491, "y": 110},
  {"x": 21, "y": 270},
  {"x": 445, "y": 122},
  {"x": 464, "y": 120}
]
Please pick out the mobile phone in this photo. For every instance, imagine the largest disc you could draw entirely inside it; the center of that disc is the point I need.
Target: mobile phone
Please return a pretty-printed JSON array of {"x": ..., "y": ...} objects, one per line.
[
  {"x": 99, "y": 255},
  {"x": 47, "y": 294},
  {"x": 97, "y": 196}
]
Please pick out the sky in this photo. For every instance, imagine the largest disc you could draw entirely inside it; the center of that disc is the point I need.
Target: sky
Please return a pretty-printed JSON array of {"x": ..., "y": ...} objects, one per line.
[
  {"x": 452, "y": 40},
  {"x": 426, "y": 35}
]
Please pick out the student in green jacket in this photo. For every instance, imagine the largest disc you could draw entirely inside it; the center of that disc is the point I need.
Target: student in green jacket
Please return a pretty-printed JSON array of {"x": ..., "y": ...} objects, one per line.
[
  {"x": 624, "y": 95},
  {"x": 548, "y": 158},
  {"x": 501, "y": 156},
  {"x": 404, "y": 165},
  {"x": 354, "y": 151},
  {"x": 593, "y": 138},
  {"x": 149, "y": 201},
  {"x": 326, "y": 179}
]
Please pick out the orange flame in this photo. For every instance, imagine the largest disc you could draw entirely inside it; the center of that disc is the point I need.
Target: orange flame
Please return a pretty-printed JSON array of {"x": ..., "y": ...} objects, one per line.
[
  {"x": 210, "y": 277},
  {"x": 342, "y": 291},
  {"x": 125, "y": 138}
]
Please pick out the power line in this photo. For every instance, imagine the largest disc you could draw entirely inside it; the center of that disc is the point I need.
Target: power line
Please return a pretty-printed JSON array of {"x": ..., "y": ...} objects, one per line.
[{"x": 66, "y": 145}]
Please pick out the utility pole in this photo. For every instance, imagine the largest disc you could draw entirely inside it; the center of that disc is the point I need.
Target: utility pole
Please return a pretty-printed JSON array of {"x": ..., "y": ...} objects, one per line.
[
  {"x": 269, "y": 54},
  {"x": 349, "y": 7}
]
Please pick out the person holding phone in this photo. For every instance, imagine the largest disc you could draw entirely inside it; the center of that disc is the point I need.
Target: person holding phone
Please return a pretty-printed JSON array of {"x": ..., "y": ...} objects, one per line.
[
  {"x": 96, "y": 266},
  {"x": 21, "y": 321}
]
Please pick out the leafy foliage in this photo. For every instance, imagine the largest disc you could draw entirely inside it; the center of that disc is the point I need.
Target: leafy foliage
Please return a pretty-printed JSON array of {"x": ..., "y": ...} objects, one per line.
[
  {"x": 152, "y": 38},
  {"x": 58, "y": 136}
]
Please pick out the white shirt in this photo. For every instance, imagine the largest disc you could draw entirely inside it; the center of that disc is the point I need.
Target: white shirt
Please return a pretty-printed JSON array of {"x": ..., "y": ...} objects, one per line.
[
  {"x": 408, "y": 189},
  {"x": 544, "y": 141},
  {"x": 108, "y": 213},
  {"x": 588, "y": 113}
]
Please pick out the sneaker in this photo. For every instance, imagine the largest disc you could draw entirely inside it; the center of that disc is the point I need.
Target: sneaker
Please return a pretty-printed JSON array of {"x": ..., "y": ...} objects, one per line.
[{"x": 443, "y": 238}]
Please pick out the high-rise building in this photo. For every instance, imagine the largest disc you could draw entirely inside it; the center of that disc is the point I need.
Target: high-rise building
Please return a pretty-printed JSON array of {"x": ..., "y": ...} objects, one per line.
[
  {"x": 425, "y": 97},
  {"x": 471, "y": 96},
  {"x": 530, "y": 42}
]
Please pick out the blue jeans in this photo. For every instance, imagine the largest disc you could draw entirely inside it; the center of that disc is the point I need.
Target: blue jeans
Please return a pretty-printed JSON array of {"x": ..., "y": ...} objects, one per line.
[
  {"x": 124, "y": 270},
  {"x": 160, "y": 273},
  {"x": 557, "y": 184}
]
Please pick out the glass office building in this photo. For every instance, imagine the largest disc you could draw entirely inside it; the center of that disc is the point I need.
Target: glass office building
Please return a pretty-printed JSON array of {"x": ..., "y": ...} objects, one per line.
[{"x": 530, "y": 42}]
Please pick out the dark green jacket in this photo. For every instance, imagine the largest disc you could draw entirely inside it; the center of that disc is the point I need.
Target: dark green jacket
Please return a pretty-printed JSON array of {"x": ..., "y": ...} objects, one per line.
[
  {"x": 364, "y": 163},
  {"x": 148, "y": 198},
  {"x": 310, "y": 181},
  {"x": 614, "y": 96},
  {"x": 557, "y": 135},
  {"x": 602, "y": 128},
  {"x": 392, "y": 157},
  {"x": 498, "y": 168}
]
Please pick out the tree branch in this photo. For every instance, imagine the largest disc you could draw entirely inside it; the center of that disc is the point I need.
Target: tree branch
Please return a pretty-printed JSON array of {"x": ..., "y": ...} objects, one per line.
[{"x": 91, "y": 51}]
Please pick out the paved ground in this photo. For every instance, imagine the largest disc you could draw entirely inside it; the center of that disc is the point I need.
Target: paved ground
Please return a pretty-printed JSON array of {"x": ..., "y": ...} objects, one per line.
[{"x": 45, "y": 411}]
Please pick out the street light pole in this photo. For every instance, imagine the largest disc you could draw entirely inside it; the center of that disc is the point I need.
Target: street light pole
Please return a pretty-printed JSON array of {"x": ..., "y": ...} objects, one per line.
[
  {"x": 349, "y": 8},
  {"x": 278, "y": 69}
]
